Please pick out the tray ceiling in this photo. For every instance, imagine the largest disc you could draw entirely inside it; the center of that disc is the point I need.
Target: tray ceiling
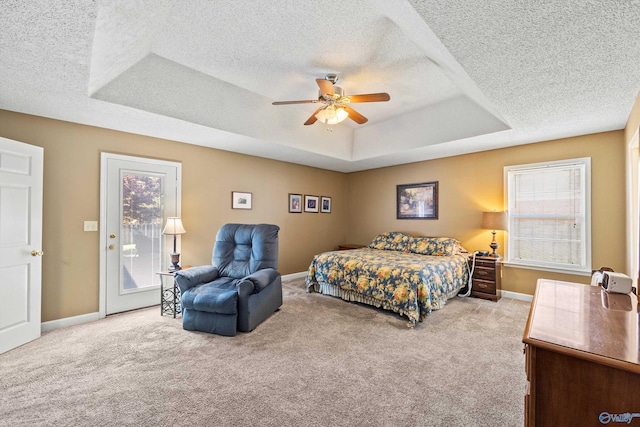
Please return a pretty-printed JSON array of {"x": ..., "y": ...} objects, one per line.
[{"x": 463, "y": 76}]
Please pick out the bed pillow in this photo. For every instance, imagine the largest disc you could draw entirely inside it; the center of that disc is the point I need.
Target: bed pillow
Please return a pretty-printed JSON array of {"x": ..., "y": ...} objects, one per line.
[
  {"x": 391, "y": 241},
  {"x": 438, "y": 246},
  {"x": 460, "y": 250}
]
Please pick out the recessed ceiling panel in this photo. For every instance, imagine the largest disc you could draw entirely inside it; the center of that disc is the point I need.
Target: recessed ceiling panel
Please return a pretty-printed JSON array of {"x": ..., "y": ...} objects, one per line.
[{"x": 164, "y": 87}]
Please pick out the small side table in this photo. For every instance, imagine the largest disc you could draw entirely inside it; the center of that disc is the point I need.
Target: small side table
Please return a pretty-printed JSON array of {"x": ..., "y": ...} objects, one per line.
[
  {"x": 170, "y": 295},
  {"x": 346, "y": 247},
  {"x": 487, "y": 277}
]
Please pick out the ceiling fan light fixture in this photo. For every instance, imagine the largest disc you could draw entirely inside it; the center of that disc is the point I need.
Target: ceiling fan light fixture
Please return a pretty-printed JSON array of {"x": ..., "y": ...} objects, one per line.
[
  {"x": 335, "y": 106},
  {"x": 332, "y": 115}
]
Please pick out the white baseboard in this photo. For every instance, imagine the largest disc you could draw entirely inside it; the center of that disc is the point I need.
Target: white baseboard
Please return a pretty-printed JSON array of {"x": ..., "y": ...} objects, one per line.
[
  {"x": 69, "y": 321},
  {"x": 90, "y": 317},
  {"x": 294, "y": 275},
  {"x": 518, "y": 296}
]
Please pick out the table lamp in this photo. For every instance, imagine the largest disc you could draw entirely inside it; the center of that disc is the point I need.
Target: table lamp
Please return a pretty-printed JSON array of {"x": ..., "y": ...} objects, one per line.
[
  {"x": 494, "y": 221},
  {"x": 173, "y": 228}
]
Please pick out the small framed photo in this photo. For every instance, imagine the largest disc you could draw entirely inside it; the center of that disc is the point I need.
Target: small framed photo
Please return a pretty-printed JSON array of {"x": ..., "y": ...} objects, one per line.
[
  {"x": 311, "y": 203},
  {"x": 417, "y": 201},
  {"x": 240, "y": 200},
  {"x": 295, "y": 203},
  {"x": 325, "y": 204}
]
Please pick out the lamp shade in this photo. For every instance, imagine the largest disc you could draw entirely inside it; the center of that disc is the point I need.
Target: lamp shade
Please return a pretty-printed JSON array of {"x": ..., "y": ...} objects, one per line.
[
  {"x": 332, "y": 115},
  {"x": 173, "y": 226},
  {"x": 494, "y": 220}
]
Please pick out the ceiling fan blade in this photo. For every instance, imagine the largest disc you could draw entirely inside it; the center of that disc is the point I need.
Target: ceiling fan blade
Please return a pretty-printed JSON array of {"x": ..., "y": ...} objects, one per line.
[
  {"x": 311, "y": 120},
  {"x": 355, "y": 116},
  {"x": 326, "y": 87},
  {"x": 371, "y": 97},
  {"x": 312, "y": 101}
]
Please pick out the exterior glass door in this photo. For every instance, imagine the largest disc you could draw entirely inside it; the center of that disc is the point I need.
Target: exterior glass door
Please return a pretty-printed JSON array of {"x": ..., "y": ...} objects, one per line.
[{"x": 137, "y": 196}]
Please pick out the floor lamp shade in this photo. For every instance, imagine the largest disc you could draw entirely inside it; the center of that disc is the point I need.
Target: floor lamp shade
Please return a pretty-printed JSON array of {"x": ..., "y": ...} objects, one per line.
[
  {"x": 173, "y": 227},
  {"x": 494, "y": 221}
]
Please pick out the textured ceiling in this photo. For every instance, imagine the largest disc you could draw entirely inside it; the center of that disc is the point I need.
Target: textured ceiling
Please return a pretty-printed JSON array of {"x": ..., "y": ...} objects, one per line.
[{"x": 463, "y": 76}]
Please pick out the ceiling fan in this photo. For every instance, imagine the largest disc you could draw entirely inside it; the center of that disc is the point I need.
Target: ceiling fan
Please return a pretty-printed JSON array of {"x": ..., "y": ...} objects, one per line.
[{"x": 335, "y": 106}]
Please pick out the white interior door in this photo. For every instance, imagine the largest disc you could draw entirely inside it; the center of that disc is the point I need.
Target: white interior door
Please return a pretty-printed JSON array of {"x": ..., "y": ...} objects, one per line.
[
  {"x": 20, "y": 242},
  {"x": 139, "y": 194}
]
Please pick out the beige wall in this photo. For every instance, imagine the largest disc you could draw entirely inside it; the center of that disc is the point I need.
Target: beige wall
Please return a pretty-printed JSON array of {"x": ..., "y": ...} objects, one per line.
[
  {"x": 473, "y": 183},
  {"x": 363, "y": 203},
  {"x": 634, "y": 120},
  {"x": 72, "y": 152},
  {"x": 633, "y": 156}
]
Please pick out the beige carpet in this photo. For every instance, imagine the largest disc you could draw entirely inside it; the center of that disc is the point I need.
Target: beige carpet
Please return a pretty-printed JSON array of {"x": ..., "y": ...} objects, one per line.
[{"x": 319, "y": 361}]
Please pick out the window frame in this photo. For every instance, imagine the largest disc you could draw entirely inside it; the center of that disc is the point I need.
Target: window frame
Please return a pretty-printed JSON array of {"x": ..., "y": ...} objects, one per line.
[{"x": 583, "y": 269}]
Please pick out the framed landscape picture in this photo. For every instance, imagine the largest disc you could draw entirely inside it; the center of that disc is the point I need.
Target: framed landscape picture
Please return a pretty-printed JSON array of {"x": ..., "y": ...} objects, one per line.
[
  {"x": 311, "y": 203},
  {"x": 240, "y": 200},
  {"x": 295, "y": 203},
  {"x": 417, "y": 201}
]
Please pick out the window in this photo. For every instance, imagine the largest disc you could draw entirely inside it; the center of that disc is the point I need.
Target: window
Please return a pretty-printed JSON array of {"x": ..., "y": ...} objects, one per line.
[{"x": 549, "y": 207}]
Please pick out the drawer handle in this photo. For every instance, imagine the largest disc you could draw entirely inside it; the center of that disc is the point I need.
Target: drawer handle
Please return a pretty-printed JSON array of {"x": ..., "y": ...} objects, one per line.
[
  {"x": 482, "y": 285},
  {"x": 482, "y": 272}
]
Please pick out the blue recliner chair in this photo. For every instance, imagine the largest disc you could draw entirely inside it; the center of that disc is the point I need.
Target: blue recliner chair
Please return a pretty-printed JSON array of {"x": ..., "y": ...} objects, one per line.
[{"x": 240, "y": 289}]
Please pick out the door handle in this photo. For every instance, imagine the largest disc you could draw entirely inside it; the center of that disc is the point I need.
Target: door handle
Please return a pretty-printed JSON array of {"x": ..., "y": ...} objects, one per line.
[
  {"x": 36, "y": 252},
  {"x": 112, "y": 247},
  {"x": 113, "y": 236}
]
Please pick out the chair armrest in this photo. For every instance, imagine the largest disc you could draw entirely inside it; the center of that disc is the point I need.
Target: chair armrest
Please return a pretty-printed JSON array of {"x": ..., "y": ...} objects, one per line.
[
  {"x": 262, "y": 278},
  {"x": 187, "y": 279},
  {"x": 257, "y": 281}
]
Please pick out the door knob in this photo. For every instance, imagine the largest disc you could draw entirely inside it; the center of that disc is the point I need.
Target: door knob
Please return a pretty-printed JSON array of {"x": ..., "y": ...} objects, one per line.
[
  {"x": 36, "y": 252},
  {"x": 113, "y": 236},
  {"x": 112, "y": 247}
]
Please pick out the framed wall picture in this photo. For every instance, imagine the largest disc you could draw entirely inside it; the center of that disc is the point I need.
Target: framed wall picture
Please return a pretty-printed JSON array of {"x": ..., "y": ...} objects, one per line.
[
  {"x": 311, "y": 203},
  {"x": 417, "y": 201},
  {"x": 241, "y": 200},
  {"x": 325, "y": 204},
  {"x": 295, "y": 203}
]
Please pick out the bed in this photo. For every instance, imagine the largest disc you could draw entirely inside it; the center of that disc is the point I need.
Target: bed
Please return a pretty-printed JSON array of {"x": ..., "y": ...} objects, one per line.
[{"x": 408, "y": 275}]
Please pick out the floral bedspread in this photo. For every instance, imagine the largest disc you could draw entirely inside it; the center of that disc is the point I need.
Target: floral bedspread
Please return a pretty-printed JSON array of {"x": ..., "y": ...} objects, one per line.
[{"x": 409, "y": 284}]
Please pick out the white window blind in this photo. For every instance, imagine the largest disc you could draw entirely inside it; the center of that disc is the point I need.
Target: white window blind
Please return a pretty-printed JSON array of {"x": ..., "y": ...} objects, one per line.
[{"x": 549, "y": 215}]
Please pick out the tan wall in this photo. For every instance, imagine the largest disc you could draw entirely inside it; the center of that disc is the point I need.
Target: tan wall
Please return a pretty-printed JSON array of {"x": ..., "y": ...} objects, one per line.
[
  {"x": 363, "y": 203},
  {"x": 473, "y": 183},
  {"x": 634, "y": 120},
  {"x": 72, "y": 152},
  {"x": 632, "y": 203}
]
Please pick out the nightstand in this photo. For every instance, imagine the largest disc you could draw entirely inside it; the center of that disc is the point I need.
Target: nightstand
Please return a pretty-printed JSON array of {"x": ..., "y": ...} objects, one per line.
[
  {"x": 487, "y": 277},
  {"x": 170, "y": 294},
  {"x": 347, "y": 247}
]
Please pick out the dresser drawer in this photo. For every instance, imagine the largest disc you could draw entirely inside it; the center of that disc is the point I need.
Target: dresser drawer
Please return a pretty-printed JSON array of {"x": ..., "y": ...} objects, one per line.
[{"x": 484, "y": 286}]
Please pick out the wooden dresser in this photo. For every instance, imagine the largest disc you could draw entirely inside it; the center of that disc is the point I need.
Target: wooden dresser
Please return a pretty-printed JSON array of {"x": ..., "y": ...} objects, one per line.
[{"x": 582, "y": 357}]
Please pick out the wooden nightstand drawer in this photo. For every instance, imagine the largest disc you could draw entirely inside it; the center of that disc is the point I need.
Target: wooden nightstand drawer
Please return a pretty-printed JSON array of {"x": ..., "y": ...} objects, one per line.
[
  {"x": 485, "y": 273},
  {"x": 486, "y": 263},
  {"x": 484, "y": 286}
]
